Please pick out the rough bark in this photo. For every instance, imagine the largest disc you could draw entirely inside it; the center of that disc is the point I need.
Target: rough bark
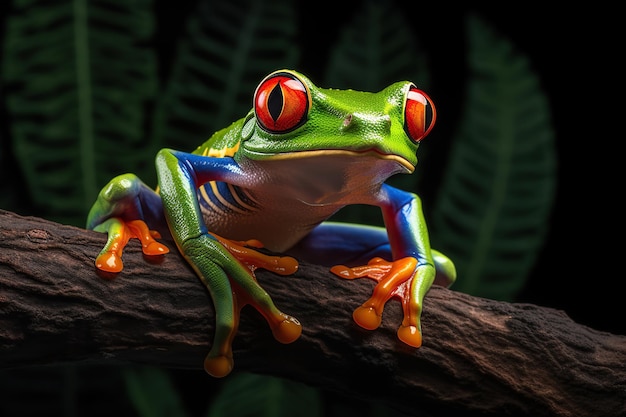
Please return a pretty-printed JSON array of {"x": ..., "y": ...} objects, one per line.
[{"x": 479, "y": 356}]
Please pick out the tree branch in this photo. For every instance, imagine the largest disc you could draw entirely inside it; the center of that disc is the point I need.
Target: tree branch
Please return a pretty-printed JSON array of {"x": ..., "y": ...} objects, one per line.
[{"x": 479, "y": 355}]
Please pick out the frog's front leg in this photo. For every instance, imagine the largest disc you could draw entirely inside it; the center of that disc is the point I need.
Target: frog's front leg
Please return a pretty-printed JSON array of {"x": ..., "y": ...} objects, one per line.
[
  {"x": 226, "y": 268},
  {"x": 401, "y": 260}
]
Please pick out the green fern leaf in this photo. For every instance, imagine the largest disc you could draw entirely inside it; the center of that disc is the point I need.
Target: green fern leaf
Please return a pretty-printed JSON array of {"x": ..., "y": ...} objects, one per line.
[
  {"x": 152, "y": 393},
  {"x": 63, "y": 390},
  {"x": 492, "y": 213},
  {"x": 376, "y": 49},
  {"x": 251, "y": 395},
  {"x": 228, "y": 48},
  {"x": 79, "y": 78}
]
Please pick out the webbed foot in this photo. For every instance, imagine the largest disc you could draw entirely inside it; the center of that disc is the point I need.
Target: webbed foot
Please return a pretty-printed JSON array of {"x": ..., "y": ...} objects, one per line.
[
  {"x": 402, "y": 278},
  {"x": 219, "y": 362},
  {"x": 119, "y": 233},
  {"x": 245, "y": 252}
]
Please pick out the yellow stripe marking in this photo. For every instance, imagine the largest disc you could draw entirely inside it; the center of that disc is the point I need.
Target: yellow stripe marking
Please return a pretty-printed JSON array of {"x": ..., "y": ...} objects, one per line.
[
  {"x": 238, "y": 199},
  {"x": 222, "y": 200},
  {"x": 221, "y": 153},
  {"x": 206, "y": 198}
]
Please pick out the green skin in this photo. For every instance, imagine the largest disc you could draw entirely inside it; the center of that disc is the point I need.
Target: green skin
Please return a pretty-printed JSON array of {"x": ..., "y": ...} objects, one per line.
[{"x": 349, "y": 143}]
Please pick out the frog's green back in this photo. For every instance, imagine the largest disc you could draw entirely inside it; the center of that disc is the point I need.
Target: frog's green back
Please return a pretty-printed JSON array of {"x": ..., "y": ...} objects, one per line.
[{"x": 224, "y": 142}]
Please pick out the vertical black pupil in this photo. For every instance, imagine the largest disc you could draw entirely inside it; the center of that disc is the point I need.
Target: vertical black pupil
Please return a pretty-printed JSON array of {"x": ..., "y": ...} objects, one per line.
[
  {"x": 275, "y": 102},
  {"x": 428, "y": 117}
]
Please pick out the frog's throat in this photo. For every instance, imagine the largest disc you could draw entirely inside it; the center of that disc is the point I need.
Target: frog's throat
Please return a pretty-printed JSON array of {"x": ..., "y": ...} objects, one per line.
[{"x": 335, "y": 152}]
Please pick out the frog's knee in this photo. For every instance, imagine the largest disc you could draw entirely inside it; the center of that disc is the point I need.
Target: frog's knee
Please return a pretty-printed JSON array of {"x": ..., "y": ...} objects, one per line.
[
  {"x": 446, "y": 271},
  {"x": 122, "y": 187}
]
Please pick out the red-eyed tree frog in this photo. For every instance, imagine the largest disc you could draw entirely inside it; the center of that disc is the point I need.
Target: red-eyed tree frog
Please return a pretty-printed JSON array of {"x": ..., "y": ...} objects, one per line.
[{"x": 272, "y": 179}]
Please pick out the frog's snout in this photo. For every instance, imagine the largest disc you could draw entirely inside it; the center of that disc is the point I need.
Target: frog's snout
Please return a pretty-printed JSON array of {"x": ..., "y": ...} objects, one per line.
[{"x": 380, "y": 123}]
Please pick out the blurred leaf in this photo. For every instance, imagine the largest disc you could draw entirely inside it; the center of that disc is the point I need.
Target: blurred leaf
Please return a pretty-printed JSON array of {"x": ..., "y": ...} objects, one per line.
[
  {"x": 375, "y": 49},
  {"x": 227, "y": 49},
  {"x": 63, "y": 390},
  {"x": 152, "y": 393},
  {"x": 10, "y": 191},
  {"x": 79, "y": 78},
  {"x": 492, "y": 212},
  {"x": 251, "y": 395}
]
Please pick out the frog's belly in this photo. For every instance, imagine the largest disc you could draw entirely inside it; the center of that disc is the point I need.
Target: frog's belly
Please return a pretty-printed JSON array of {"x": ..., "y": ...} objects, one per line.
[
  {"x": 279, "y": 225},
  {"x": 284, "y": 199}
]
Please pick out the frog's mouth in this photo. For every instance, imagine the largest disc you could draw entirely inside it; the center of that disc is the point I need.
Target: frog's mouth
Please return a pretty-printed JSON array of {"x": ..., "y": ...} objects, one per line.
[
  {"x": 338, "y": 152},
  {"x": 327, "y": 177}
]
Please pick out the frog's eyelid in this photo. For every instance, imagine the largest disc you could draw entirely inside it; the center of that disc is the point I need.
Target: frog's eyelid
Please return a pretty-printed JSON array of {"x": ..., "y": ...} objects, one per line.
[{"x": 419, "y": 114}]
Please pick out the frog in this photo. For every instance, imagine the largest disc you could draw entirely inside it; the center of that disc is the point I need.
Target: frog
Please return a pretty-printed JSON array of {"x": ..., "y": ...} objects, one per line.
[{"x": 261, "y": 193}]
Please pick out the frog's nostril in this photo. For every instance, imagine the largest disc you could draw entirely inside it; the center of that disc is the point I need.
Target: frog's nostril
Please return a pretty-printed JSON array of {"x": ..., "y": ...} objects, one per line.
[
  {"x": 347, "y": 120},
  {"x": 379, "y": 123}
]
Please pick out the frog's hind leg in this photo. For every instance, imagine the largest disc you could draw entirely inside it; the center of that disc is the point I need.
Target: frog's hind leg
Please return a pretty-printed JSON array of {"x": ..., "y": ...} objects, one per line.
[
  {"x": 446, "y": 271},
  {"x": 333, "y": 243},
  {"x": 129, "y": 198},
  {"x": 219, "y": 360},
  {"x": 121, "y": 210}
]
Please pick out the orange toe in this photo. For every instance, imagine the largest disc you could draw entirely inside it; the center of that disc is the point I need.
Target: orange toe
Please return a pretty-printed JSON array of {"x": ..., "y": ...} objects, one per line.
[
  {"x": 367, "y": 317},
  {"x": 288, "y": 330},
  {"x": 155, "y": 248},
  {"x": 410, "y": 335},
  {"x": 218, "y": 366},
  {"x": 109, "y": 262}
]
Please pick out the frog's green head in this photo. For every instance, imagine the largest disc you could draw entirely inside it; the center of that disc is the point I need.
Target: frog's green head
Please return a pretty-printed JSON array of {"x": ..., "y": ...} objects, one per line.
[{"x": 292, "y": 118}]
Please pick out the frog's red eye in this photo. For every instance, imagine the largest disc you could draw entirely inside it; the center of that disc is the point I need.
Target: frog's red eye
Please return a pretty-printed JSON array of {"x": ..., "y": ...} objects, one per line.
[
  {"x": 419, "y": 114},
  {"x": 281, "y": 103}
]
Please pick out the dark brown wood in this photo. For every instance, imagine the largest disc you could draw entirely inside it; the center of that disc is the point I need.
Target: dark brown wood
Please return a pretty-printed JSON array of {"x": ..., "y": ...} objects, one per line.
[{"x": 479, "y": 356}]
